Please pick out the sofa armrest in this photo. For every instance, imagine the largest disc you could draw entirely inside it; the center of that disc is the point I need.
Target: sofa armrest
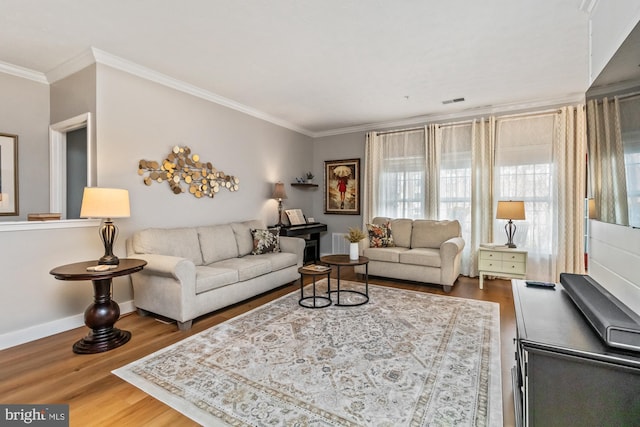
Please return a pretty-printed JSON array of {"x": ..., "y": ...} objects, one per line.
[
  {"x": 293, "y": 245},
  {"x": 450, "y": 248},
  {"x": 168, "y": 266},
  {"x": 450, "y": 257}
]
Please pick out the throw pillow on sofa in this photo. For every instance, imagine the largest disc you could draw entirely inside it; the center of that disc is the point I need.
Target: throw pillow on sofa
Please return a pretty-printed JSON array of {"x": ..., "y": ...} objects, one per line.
[
  {"x": 265, "y": 241},
  {"x": 380, "y": 235}
]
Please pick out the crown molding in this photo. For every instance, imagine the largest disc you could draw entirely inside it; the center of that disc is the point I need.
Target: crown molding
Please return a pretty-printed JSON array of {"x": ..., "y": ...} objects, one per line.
[
  {"x": 509, "y": 108},
  {"x": 25, "y": 73},
  {"x": 73, "y": 65}
]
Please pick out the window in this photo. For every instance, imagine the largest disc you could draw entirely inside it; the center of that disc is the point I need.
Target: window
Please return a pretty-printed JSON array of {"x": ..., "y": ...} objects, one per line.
[
  {"x": 402, "y": 177},
  {"x": 524, "y": 171}
]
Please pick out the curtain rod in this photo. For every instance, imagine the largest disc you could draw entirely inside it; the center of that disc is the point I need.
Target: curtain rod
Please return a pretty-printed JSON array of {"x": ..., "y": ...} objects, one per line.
[
  {"x": 399, "y": 131},
  {"x": 623, "y": 96},
  {"x": 550, "y": 111}
]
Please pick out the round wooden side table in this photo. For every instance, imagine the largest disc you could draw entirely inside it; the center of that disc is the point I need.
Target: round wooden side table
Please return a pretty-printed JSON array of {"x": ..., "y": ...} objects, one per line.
[
  {"x": 104, "y": 312},
  {"x": 343, "y": 260},
  {"x": 318, "y": 301}
]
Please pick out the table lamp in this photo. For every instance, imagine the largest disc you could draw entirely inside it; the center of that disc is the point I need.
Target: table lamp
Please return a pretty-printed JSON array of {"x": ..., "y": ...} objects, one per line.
[
  {"x": 510, "y": 210},
  {"x": 106, "y": 203},
  {"x": 279, "y": 194}
]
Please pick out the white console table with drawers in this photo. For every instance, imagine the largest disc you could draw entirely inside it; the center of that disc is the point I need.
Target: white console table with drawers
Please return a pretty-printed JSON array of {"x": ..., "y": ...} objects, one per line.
[{"x": 502, "y": 262}]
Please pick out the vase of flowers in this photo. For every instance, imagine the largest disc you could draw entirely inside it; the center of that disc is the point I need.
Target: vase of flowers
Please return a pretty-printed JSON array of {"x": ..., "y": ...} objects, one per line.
[{"x": 354, "y": 236}]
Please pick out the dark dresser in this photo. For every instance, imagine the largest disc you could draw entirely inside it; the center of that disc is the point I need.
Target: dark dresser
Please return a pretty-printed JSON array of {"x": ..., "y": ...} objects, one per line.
[{"x": 565, "y": 375}]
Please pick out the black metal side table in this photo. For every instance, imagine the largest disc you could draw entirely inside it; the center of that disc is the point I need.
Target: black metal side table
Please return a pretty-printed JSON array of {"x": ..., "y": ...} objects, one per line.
[
  {"x": 343, "y": 260},
  {"x": 314, "y": 271}
]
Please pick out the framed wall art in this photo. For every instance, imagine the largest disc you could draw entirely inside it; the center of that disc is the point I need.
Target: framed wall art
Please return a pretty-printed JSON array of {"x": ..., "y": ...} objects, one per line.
[
  {"x": 8, "y": 174},
  {"x": 342, "y": 187}
]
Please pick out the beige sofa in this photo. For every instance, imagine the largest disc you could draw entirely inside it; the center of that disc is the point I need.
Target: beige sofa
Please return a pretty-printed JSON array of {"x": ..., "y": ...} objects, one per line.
[
  {"x": 194, "y": 271},
  {"x": 424, "y": 251}
]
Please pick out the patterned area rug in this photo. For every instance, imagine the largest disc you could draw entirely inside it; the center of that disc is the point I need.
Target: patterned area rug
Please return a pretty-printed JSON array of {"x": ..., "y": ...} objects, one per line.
[{"x": 404, "y": 359}]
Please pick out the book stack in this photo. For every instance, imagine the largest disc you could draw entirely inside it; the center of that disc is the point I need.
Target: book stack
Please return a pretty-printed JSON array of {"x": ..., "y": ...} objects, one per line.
[{"x": 315, "y": 268}]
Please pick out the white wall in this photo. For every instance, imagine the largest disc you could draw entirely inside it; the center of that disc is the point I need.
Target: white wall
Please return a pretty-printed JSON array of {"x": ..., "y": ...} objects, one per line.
[
  {"x": 614, "y": 261},
  {"x": 136, "y": 119}
]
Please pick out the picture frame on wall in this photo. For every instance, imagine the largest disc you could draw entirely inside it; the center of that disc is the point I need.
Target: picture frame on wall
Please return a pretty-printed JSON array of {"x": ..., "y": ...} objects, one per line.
[
  {"x": 342, "y": 187},
  {"x": 8, "y": 174}
]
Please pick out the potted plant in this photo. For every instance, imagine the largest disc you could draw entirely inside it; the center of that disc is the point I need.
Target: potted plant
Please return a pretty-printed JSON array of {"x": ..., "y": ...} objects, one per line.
[
  {"x": 354, "y": 236},
  {"x": 309, "y": 176}
]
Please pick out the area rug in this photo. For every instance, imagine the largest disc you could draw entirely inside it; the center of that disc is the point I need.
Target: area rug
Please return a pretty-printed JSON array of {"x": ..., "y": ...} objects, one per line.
[{"x": 404, "y": 359}]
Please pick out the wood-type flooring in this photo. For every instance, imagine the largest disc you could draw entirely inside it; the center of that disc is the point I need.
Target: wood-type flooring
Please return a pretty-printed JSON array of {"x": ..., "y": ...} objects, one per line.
[{"x": 46, "y": 371}]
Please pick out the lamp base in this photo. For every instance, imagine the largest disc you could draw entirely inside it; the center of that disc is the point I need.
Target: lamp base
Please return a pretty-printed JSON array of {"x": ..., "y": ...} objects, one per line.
[
  {"x": 510, "y": 229},
  {"x": 109, "y": 260},
  {"x": 108, "y": 233}
]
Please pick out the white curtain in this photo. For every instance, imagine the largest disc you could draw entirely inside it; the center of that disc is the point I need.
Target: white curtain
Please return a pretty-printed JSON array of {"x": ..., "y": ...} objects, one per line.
[
  {"x": 569, "y": 158},
  {"x": 432, "y": 168},
  {"x": 630, "y": 130},
  {"x": 606, "y": 161},
  {"x": 466, "y": 164},
  {"x": 395, "y": 175},
  {"x": 541, "y": 159},
  {"x": 483, "y": 159}
]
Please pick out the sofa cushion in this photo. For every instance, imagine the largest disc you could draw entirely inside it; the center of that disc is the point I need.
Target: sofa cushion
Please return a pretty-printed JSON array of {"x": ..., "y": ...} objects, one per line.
[
  {"x": 431, "y": 234},
  {"x": 217, "y": 242},
  {"x": 265, "y": 240},
  {"x": 380, "y": 236},
  {"x": 384, "y": 254},
  {"x": 242, "y": 230},
  {"x": 280, "y": 260},
  {"x": 208, "y": 278},
  {"x": 427, "y": 257},
  {"x": 178, "y": 242},
  {"x": 248, "y": 267},
  {"x": 401, "y": 229}
]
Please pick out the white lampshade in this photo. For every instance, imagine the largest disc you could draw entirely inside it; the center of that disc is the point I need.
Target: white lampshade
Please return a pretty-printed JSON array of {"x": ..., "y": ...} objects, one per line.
[
  {"x": 105, "y": 203},
  {"x": 510, "y": 210}
]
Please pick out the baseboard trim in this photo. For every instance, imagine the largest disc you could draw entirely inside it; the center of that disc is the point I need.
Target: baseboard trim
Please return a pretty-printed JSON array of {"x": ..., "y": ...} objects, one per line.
[{"x": 43, "y": 330}]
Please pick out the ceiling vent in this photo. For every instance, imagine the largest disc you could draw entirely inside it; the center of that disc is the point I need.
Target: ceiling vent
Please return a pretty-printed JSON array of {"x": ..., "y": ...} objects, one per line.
[{"x": 451, "y": 101}]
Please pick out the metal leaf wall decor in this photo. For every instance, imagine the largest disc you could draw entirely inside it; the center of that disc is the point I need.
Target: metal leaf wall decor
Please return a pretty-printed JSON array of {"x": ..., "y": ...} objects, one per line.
[{"x": 202, "y": 179}]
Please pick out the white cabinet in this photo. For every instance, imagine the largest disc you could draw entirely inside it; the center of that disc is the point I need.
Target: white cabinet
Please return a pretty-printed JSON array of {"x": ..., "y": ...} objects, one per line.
[{"x": 501, "y": 262}]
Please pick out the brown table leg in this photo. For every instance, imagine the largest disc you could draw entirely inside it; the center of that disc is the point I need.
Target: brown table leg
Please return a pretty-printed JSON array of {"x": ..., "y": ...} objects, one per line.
[{"x": 100, "y": 317}]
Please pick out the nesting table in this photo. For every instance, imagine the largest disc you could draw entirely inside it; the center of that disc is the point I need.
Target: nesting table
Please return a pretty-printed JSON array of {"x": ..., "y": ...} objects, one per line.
[
  {"x": 316, "y": 300},
  {"x": 341, "y": 261}
]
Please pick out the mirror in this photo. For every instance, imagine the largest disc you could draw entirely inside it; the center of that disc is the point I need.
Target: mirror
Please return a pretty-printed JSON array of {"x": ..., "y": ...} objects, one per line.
[{"x": 613, "y": 134}]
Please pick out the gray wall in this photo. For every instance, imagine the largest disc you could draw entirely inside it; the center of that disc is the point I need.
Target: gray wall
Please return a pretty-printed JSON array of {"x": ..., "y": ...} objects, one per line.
[
  {"x": 135, "y": 119},
  {"x": 24, "y": 111},
  {"x": 346, "y": 146}
]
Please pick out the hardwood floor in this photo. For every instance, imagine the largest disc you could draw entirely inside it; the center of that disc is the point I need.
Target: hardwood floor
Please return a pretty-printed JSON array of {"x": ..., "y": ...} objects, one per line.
[{"x": 47, "y": 371}]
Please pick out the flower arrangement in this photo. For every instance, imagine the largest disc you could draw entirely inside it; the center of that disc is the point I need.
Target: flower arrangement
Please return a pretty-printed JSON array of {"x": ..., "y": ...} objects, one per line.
[{"x": 355, "y": 235}]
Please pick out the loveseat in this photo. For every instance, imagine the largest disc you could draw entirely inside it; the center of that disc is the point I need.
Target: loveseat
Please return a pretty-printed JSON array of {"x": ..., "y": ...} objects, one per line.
[
  {"x": 194, "y": 271},
  {"x": 418, "y": 250}
]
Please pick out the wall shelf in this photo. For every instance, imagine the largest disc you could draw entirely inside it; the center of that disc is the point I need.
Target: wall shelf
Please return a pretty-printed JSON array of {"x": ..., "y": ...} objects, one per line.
[{"x": 303, "y": 184}]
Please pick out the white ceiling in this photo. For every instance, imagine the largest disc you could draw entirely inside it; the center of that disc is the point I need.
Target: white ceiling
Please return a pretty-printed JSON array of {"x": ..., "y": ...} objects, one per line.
[{"x": 325, "y": 66}]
